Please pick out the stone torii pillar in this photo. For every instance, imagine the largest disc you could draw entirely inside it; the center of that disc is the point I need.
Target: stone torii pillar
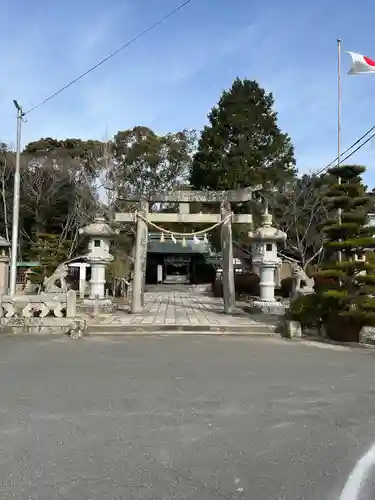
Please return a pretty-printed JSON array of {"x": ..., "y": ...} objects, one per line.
[
  {"x": 229, "y": 295},
  {"x": 140, "y": 256}
]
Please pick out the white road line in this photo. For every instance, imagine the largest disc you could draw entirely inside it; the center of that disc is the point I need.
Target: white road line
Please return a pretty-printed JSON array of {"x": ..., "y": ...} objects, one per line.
[{"x": 358, "y": 476}]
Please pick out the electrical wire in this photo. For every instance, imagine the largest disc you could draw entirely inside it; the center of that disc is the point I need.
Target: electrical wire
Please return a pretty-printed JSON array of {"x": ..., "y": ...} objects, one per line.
[
  {"x": 359, "y": 147},
  {"x": 348, "y": 149},
  {"x": 130, "y": 42},
  {"x": 322, "y": 170}
]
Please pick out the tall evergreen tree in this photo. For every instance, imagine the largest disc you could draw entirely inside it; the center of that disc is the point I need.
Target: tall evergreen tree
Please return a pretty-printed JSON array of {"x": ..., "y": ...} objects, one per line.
[
  {"x": 243, "y": 144},
  {"x": 348, "y": 302}
]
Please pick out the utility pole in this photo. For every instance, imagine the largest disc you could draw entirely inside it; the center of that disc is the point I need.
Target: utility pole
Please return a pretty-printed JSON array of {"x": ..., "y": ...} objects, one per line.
[
  {"x": 16, "y": 204},
  {"x": 339, "y": 211}
]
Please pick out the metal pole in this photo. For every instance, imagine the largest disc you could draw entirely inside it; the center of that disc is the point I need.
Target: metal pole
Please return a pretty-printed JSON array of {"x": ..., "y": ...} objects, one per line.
[
  {"x": 16, "y": 204},
  {"x": 339, "y": 255}
]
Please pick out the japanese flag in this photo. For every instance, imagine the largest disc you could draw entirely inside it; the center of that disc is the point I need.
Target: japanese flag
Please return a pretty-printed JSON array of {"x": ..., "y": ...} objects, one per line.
[{"x": 361, "y": 64}]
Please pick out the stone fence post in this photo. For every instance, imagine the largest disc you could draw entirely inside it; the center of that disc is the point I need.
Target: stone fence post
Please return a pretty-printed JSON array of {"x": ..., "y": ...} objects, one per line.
[{"x": 71, "y": 304}]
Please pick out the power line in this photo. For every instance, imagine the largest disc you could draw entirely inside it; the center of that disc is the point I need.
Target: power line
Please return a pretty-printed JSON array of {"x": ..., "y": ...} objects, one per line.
[
  {"x": 322, "y": 170},
  {"x": 360, "y": 146},
  {"x": 130, "y": 42},
  {"x": 348, "y": 149}
]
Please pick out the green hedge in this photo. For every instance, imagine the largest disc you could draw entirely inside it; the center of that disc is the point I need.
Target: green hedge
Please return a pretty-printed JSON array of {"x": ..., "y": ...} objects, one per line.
[{"x": 246, "y": 284}]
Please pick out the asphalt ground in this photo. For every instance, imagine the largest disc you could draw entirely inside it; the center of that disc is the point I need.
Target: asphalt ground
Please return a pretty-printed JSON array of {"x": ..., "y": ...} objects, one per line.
[{"x": 183, "y": 417}]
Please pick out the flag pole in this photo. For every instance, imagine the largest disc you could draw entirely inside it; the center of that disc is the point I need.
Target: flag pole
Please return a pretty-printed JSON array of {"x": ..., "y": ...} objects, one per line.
[{"x": 339, "y": 256}]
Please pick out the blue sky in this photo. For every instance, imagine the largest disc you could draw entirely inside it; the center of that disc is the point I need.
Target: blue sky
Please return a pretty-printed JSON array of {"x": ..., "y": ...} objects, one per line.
[{"x": 171, "y": 78}]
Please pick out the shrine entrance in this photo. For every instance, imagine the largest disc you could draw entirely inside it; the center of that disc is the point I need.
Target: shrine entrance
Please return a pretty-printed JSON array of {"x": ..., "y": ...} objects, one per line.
[
  {"x": 177, "y": 269},
  {"x": 168, "y": 262},
  {"x": 224, "y": 219}
]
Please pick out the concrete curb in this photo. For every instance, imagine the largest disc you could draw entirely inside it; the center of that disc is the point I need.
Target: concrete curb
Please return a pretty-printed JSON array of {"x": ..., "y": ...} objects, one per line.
[
  {"x": 260, "y": 329},
  {"x": 320, "y": 340},
  {"x": 167, "y": 333}
]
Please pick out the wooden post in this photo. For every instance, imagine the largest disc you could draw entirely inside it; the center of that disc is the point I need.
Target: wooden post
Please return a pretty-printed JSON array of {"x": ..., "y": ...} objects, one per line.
[
  {"x": 227, "y": 259},
  {"x": 140, "y": 258}
]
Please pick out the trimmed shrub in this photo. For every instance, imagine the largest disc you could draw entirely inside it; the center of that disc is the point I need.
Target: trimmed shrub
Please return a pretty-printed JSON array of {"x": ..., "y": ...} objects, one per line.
[
  {"x": 286, "y": 286},
  {"x": 307, "y": 310},
  {"x": 247, "y": 284},
  {"x": 244, "y": 284},
  {"x": 322, "y": 283}
]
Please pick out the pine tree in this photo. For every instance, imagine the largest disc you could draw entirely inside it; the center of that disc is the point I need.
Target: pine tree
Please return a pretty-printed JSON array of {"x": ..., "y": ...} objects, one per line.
[
  {"x": 243, "y": 144},
  {"x": 347, "y": 299}
]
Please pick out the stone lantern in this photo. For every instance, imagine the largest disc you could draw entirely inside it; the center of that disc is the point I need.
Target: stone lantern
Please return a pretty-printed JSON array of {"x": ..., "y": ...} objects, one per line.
[
  {"x": 4, "y": 265},
  {"x": 264, "y": 255},
  {"x": 100, "y": 235}
]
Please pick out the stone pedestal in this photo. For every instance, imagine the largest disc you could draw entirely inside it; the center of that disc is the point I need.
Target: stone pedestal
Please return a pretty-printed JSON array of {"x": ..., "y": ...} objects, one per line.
[
  {"x": 267, "y": 281},
  {"x": 97, "y": 282},
  {"x": 272, "y": 307}
]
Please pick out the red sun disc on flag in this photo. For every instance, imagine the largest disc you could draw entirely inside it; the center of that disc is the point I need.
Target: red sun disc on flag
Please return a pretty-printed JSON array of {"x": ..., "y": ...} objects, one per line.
[{"x": 369, "y": 61}]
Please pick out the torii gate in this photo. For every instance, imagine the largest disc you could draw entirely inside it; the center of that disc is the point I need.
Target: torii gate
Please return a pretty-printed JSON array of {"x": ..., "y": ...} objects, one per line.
[{"x": 142, "y": 217}]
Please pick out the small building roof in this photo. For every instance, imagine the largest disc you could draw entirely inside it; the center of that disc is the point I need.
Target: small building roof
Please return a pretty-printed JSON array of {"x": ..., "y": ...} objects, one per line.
[{"x": 28, "y": 264}]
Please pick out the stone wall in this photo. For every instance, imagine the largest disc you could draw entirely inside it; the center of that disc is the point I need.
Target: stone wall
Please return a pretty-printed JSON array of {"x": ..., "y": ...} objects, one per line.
[{"x": 48, "y": 314}]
